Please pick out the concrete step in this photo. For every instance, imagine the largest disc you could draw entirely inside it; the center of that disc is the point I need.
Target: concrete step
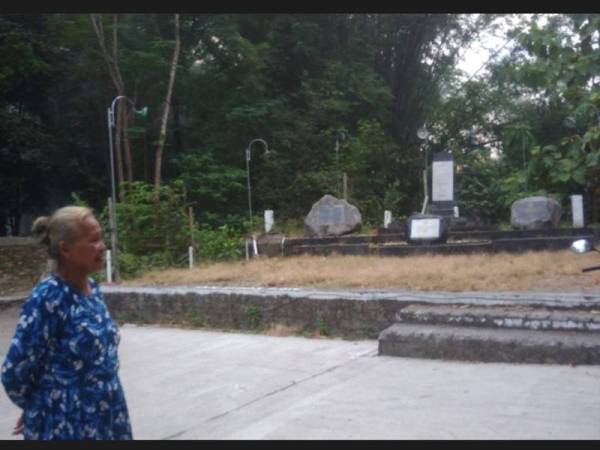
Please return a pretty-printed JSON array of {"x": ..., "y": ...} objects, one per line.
[
  {"x": 527, "y": 318},
  {"x": 468, "y": 343}
]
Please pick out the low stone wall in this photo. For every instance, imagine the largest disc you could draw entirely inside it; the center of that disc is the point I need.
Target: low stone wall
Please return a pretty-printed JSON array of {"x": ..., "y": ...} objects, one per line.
[
  {"x": 22, "y": 262},
  {"x": 517, "y": 245},
  {"x": 349, "y": 314},
  {"x": 459, "y": 242},
  {"x": 339, "y": 317}
]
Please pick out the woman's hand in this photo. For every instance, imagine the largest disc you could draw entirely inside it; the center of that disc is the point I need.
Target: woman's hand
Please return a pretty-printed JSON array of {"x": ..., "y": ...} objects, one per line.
[{"x": 20, "y": 426}]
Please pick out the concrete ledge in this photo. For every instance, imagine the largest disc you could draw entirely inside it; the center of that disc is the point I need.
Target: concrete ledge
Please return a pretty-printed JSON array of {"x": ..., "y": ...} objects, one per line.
[
  {"x": 9, "y": 302},
  {"x": 495, "y": 317},
  {"x": 511, "y": 245},
  {"x": 490, "y": 345},
  {"x": 346, "y": 313},
  {"x": 354, "y": 318}
]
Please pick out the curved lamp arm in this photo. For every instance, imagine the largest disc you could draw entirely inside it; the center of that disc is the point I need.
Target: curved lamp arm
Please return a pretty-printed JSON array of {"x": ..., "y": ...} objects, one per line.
[
  {"x": 262, "y": 141},
  {"x": 111, "y": 110}
]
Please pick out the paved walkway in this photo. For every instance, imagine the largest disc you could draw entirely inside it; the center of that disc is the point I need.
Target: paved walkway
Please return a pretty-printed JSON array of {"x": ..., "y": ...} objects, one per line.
[{"x": 198, "y": 384}]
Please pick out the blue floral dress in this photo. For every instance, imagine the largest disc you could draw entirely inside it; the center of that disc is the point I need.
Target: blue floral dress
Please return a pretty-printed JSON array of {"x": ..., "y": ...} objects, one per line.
[{"x": 62, "y": 364}]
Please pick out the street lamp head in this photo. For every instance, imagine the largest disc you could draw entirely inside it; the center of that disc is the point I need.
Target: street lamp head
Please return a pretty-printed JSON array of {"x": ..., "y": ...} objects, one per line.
[{"x": 142, "y": 112}]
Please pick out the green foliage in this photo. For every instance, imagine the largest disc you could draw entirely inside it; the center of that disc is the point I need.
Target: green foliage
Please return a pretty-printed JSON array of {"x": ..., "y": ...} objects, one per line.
[
  {"x": 132, "y": 265},
  {"x": 222, "y": 243},
  {"x": 289, "y": 227},
  {"x": 537, "y": 111},
  {"x": 254, "y": 315},
  {"x": 373, "y": 185},
  {"x": 78, "y": 201},
  {"x": 478, "y": 189},
  {"x": 213, "y": 185},
  {"x": 323, "y": 328},
  {"x": 152, "y": 228},
  {"x": 294, "y": 80},
  {"x": 561, "y": 66}
]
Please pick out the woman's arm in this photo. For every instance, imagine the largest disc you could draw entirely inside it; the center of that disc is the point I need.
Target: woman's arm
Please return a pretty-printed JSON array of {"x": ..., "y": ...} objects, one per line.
[{"x": 23, "y": 361}]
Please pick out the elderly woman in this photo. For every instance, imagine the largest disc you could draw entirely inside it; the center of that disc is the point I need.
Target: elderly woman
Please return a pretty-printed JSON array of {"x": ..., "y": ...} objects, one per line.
[{"x": 61, "y": 367}]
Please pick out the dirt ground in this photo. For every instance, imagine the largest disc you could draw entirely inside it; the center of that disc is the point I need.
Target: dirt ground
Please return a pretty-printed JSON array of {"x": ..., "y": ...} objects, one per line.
[{"x": 22, "y": 262}]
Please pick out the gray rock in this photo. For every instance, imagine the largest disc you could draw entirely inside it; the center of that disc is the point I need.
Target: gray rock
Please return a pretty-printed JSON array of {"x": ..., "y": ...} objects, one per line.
[
  {"x": 331, "y": 216},
  {"x": 535, "y": 213}
]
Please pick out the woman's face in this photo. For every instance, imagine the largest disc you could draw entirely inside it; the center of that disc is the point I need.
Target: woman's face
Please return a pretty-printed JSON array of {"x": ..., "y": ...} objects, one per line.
[{"x": 86, "y": 253}]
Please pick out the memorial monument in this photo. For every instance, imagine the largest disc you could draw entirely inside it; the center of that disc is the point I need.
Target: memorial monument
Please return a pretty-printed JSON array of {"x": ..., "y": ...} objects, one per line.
[{"x": 442, "y": 186}]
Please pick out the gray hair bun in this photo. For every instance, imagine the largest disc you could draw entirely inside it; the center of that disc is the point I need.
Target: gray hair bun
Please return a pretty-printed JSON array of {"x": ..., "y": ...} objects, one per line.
[{"x": 40, "y": 230}]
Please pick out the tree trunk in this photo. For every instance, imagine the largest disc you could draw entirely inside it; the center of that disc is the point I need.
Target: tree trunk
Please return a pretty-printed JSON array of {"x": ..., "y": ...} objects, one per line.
[
  {"x": 126, "y": 146},
  {"x": 119, "y": 150},
  {"x": 163, "y": 125},
  {"x": 178, "y": 141},
  {"x": 111, "y": 60}
]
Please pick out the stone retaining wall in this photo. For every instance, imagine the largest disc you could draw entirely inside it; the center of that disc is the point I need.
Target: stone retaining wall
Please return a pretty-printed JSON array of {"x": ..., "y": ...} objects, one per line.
[
  {"x": 349, "y": 314},
  {"x": 339, "y": 317},
  {"x": 22, "y": 262}
]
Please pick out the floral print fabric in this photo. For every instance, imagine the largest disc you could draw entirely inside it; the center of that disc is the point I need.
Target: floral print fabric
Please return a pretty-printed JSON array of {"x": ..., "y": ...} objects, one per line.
[{"x": 61, "y": 366}]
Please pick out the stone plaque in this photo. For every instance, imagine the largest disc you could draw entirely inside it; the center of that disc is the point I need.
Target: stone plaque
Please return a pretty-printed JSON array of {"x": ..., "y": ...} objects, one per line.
[
  {"x": 425, "y": 229},
  {"x": 577, "y": 209},
  {"x": 332, "y": 215},
  {"x": 443, "y": 181}
]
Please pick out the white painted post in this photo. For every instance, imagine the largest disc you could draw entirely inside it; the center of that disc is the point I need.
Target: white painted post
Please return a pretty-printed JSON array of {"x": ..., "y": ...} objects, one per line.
[
  {"x": 387, "y": 218},
  {"x": 456, "y": 211},
  {"x": 247, "y": 253},
  {"x": 108, "y": 266},
  {"x": 268, "y": 220},
  {"x": 425, "y": 204},
  {"x": 577, "y": 209},
  {"x": 191, "y": 256},
  {"x": 255, "y": 246}
]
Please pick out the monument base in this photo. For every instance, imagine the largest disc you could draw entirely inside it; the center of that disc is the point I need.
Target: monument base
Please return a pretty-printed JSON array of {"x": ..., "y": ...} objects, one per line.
[{"x": 445, "y": 209}]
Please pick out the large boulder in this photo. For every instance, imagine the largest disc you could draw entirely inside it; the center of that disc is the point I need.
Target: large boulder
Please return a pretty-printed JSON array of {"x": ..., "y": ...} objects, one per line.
[
  {"x": 535, "y": 213},
  {"x": 331, "y": 216}
]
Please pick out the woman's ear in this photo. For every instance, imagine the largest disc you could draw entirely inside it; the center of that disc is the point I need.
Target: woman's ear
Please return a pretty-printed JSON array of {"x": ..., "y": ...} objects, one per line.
[{"x": 63, "y": 250}]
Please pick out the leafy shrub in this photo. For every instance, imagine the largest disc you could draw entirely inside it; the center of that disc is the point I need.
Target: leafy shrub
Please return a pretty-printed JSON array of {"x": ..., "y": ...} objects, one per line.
[
  {"x": 132, "y": 265},
  {"x": 224, "y": 242},
  {"x": 152, "y": 228},
  {"x": 479, "y": 192}
]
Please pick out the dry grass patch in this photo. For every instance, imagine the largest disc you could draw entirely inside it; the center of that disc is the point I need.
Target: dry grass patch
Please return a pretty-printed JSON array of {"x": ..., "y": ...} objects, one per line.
[
  {"x": 481, "y": 272},
  {"x": 279, "y": 329}
]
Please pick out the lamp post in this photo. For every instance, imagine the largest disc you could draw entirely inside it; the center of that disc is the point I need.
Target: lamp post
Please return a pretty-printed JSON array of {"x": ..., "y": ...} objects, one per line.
[
  {"x": 423, "y": 134},
  {"x": 248, "y": 156},
  {"x": 113, "y": 211}
]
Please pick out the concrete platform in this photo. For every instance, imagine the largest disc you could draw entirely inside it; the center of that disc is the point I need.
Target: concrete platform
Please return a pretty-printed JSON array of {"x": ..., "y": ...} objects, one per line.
[
  {"x": 199, "y": 384},
  {"x": 527, "y": 318},
  {"x": 471, "y": 343}
]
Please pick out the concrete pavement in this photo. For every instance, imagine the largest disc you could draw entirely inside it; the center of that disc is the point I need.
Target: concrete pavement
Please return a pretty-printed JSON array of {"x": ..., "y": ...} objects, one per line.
[{"x": 206, "y": 384}]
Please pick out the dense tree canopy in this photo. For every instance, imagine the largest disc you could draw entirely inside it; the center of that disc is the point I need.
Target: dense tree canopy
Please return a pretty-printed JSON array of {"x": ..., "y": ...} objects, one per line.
[{"x": 330, "y": 93}]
